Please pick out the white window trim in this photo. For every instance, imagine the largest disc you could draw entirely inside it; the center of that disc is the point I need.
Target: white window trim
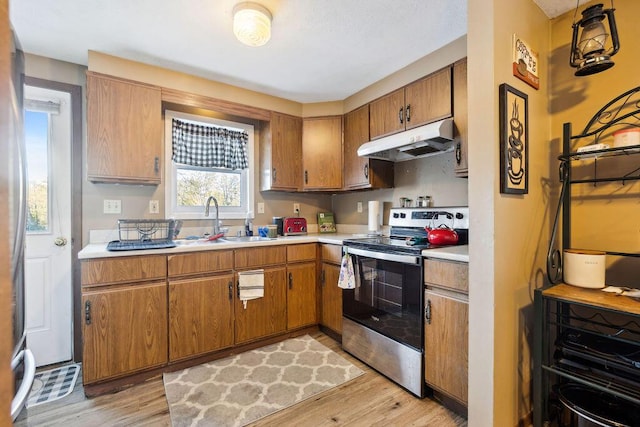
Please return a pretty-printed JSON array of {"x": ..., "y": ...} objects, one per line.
[{"x": 170, "y": 169}]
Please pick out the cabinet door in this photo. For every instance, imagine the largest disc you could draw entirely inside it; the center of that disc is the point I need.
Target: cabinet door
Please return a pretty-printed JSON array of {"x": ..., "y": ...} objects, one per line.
[
  {"x": 386, "y": 115},
  {"x": 263, "y": 316},
  {"x": 301, "y": 295},
  {"x": 446, "y": 334},
  {"x": 331, "y": 298},
  {"x": 200, "y": 315},
  {"x": 322, "y": 153},
  {"x": 356, "y": 133},
  {"x": 124, "y": 330},
  {"x": 460, "y": 116},
  {"x": 124, "y": 131},
  {"x": 428, "y": 99},
  {"x": 281, "y": 154}
]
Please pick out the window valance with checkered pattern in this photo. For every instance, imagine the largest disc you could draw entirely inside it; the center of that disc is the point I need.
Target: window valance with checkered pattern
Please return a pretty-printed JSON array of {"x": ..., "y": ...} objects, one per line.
[{"x": 209, "y": 146}]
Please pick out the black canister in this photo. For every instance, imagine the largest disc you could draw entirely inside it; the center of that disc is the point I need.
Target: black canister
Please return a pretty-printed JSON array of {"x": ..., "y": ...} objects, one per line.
[{"x": 279, "y": 221}]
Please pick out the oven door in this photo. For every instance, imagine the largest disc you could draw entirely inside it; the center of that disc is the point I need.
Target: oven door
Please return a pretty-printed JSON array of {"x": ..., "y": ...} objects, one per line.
[{"x": 388, "y": 295}]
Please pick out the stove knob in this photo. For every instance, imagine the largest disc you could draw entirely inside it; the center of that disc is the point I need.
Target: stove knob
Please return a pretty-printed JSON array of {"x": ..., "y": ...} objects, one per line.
[
  {"x": 459, "y": 215},
  {"x": 396, "y": 215},
  {"x": 403, "y": 215}
]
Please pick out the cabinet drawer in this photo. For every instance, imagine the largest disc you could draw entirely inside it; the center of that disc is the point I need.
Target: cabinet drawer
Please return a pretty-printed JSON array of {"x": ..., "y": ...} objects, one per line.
[
  {"x": 304, "y": 252},
  {"x": 259, "y": 257},
  {"x": 448, "y": 274},
  {"x": 331, "y": 253},
  {"x": 199, "y": 262},
  {"x": 123, "y": 269}
]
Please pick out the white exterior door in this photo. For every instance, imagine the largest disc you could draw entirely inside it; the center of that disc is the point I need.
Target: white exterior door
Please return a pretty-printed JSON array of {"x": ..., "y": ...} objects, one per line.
[{"x": 48, "y": 277}]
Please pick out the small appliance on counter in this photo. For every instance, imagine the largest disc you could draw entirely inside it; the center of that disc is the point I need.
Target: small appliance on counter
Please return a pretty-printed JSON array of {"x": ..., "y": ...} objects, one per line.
[
  {"x": 279, "y": 222},
  {"x": 294, "y": 226}
]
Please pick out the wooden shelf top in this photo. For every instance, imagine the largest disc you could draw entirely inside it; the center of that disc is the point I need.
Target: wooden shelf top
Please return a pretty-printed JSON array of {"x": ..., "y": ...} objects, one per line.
[{"x": 593, "y": 297}]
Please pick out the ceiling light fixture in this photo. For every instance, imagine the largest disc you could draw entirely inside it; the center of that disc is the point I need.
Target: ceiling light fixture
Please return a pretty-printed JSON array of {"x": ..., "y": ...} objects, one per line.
[
  {"x": 589, "y": 53},
  {"x": 252, "y": 23}
]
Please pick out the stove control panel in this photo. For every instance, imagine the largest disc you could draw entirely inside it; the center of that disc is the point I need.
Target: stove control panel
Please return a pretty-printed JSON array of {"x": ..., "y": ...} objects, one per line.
[{"x": 453, "y": 217}]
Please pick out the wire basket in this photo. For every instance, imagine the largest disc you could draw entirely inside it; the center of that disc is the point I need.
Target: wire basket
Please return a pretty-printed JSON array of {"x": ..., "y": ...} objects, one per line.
[{"x": 146, "y": 230}]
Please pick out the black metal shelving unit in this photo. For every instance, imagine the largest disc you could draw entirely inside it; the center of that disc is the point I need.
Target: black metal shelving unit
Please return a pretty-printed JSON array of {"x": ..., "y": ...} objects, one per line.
[{"x": 587, "y": 342}]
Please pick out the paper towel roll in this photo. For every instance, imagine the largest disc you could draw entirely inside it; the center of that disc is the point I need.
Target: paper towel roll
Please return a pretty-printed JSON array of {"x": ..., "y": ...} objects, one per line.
[{"x": 375, "y": 217}]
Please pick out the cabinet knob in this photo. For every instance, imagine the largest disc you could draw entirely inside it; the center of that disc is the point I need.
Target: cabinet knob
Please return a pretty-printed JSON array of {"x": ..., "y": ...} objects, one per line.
[
  {"x": 401, "y": 115},
  {"x": 230, "y": 290},
  {"x": 408, "y": 109},
  {"x": 273, "y": 174},
  {"x": 306, "y": 177},
  {"x": 366, "y": 171},
  {"x": 458, "y": 153},
  {"x": 156, "y": 165},
  {"x": 290, "y": 281}
]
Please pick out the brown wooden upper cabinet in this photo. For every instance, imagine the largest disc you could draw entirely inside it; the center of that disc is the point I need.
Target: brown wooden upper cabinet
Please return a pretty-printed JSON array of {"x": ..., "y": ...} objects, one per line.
[
  {"x": 460, "y": 116},
  {"x": 362, "y": 172},
  {"x": 281, "y": 153},
  {"x": 322, "y": 153},
  {"x": 424, "y": 101},
  {"x": 124, "y": 131}
]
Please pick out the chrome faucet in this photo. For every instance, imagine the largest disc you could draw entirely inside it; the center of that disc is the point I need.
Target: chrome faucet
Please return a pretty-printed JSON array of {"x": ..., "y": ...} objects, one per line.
[{"x": 216, "y": 227}]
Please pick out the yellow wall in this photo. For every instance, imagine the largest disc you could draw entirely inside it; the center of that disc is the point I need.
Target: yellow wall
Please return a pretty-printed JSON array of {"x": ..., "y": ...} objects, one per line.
[
  {"x": 603, "y": 217},
  {"x": 509, "y": 232}
]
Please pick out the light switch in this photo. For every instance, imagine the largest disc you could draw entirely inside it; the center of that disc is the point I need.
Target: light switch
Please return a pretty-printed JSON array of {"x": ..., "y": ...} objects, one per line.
[
  {"x": 154, "y": 206},
  {"x": 359, "y": 207},
  {"x": 260, "y": 208},
  {"x": 112, "y": 206}
]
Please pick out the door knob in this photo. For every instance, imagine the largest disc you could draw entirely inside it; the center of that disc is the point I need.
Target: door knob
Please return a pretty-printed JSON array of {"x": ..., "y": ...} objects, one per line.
[{"x": 60, "y": 241}]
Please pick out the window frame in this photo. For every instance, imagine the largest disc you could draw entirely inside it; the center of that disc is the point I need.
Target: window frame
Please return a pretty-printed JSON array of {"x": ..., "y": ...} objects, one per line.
[{"x": 247, "y": 184}]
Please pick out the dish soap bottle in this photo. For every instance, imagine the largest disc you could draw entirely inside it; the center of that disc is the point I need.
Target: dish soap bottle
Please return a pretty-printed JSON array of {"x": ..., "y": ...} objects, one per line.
[{"x": 248, "y": 225}]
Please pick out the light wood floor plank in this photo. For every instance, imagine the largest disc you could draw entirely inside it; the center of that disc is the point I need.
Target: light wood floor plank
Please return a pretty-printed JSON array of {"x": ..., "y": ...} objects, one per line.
[{"x": 369, "y": 400}]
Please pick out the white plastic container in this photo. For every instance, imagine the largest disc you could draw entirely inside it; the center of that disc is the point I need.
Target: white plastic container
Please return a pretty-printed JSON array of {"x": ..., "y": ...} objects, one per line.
[
  {"x": 584, "y": 268},
  {"x": 626, "y": 137}
]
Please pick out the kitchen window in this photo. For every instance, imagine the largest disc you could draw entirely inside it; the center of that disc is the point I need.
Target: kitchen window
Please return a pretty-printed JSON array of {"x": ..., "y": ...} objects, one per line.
[{"x": 188, "y": 186}]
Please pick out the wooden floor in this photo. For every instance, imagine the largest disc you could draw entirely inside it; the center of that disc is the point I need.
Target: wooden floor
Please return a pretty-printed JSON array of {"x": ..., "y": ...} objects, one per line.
[{"x": 369, "y": 400}]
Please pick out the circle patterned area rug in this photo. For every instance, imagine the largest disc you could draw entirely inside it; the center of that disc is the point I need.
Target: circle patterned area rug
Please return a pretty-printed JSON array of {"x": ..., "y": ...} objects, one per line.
[{"x": 241, "y": 389}]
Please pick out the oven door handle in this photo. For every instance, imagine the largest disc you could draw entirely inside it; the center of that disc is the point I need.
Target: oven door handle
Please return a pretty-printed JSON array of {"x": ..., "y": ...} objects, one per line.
[{"x": 405, "y": 259}]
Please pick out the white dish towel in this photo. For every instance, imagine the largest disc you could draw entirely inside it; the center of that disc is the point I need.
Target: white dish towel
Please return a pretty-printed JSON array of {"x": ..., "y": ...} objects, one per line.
[
  {"x": 347, "y": 279},
  {"x": 250, "y": 285}
]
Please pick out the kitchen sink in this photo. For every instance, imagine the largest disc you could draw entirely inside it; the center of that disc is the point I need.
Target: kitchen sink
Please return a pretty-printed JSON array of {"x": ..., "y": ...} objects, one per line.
[{"x": 188, "y": 242}]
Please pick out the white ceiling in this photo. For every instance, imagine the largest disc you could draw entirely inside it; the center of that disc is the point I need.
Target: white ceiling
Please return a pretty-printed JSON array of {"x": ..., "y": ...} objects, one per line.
[{"x": 320, "y": 50}]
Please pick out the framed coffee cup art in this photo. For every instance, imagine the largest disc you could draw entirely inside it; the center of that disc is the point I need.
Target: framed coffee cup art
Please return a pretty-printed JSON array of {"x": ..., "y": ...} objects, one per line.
[{"x": 514, "y": 140}]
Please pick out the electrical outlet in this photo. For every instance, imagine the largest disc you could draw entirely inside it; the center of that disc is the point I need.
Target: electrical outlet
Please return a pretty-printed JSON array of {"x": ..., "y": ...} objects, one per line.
[
  {"x": 112, "y": 206},
  {"x": 260, "y": 208},
  {"x": 154, "y": 206},
  {"x": 359, "y": 207},
  {"x": 296, "y": 208}
]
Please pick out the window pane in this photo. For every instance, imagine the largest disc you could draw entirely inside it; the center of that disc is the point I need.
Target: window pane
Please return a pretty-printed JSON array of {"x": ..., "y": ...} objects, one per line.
[
  {"x": 195, "y": 186},
  {"x": 36, "y": 129}
]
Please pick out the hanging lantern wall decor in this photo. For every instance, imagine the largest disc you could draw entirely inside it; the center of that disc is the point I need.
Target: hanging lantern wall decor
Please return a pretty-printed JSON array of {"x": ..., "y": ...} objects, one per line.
[{"x": 589, "y": 51}]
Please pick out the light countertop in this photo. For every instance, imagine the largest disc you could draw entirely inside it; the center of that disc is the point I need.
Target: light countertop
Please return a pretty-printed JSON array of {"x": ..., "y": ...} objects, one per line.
[{"x": 99, "y": 250}]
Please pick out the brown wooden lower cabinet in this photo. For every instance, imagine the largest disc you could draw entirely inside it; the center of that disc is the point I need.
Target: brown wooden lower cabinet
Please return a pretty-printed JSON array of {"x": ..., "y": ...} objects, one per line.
[
  {"x": 301, "y": 295},
  {"x": 263, "y": 316},
  {"x": 331, "y": 297},
  {"x": 124, "y": 330},
  {"x": 331, "y": 294},
  {"x": 446, "y": 335},
  {"x": 200, "y": 315}
]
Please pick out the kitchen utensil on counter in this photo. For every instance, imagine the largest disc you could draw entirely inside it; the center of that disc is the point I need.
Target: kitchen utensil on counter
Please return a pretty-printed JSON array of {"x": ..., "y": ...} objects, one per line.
[
  {"x": 423, "y": 201},
  {"x": 442, "y": 235},
  {"x": 279, "y": 222},
  {"x": 405, "y": 202}
]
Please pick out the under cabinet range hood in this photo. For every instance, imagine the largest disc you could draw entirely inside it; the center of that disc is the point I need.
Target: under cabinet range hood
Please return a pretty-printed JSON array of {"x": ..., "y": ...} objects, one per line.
[{"x": 423, "y": 141}]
